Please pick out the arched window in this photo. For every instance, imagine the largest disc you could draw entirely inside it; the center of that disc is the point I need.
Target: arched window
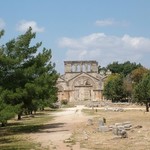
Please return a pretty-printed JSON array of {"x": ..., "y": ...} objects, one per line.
[
  {"x": 89, "y": 68},
  {"x": 78, "y": 68},
  {"x": 73, "y": 68},
  {"x": 83, "y": 68}
]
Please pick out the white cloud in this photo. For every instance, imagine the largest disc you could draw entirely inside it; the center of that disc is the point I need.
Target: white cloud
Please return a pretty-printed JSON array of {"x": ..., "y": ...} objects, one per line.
[
  {"x": 106, "y": 48},
  {"x": 24, "y": 25},
  {"x": 2, "y": 24},
  {"x": 110, "y": 22}
]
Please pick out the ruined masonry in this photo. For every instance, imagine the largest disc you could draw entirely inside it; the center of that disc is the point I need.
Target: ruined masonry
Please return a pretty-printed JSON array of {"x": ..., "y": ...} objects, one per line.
[{"x": 81, "y": 82}]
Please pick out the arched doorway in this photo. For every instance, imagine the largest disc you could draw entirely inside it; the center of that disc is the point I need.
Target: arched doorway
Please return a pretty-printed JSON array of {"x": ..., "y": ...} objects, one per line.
[{"x": 83, "y": 88}]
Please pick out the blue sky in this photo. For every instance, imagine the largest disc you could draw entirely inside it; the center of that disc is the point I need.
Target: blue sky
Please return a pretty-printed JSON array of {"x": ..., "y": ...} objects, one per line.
[{"x": 101, "y": 30}]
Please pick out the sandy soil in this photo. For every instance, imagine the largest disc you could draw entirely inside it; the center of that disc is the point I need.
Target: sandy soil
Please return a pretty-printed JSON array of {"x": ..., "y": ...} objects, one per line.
[{"x": 57, "y": 134}]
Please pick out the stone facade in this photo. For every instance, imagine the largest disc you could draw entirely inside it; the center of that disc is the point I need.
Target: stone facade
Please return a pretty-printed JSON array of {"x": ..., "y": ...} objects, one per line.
[{"x": 80, "y": 82}]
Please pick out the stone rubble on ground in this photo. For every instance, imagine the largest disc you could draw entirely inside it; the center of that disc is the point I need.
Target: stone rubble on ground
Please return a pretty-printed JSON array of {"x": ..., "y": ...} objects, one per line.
[
  {"x": 117, "y": 109},
  {"x": 119, "y": 128},
  {"x": 102, "y": 125}
]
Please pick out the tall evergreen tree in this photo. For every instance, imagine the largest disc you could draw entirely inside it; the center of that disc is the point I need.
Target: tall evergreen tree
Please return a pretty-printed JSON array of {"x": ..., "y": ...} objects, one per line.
[
  {"x": 28, "y": 78},
  {"x": 6, "y": 111}
]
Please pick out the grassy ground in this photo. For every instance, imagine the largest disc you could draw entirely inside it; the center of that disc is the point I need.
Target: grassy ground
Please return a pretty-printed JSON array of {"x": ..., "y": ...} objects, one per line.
[
  {"x": 138, "y": 138},
  {"x": 11, "y": 136}
]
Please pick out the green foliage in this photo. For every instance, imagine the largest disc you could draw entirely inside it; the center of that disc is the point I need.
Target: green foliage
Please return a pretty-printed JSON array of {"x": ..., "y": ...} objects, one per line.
[
  {"x": 113, "y": 88},
  {"x": 123, "y": 68},
  {"x": 17, "y": 143},
  {"x": 125, "y": 76},
  {"x": 28, "y": 78},
  {"x": 104, "y": 69},
  {"x": 128, "y": 87},
  {"x": 1, "y": 33},
  {"x": 137, "y": 74},
  {"x": 64, "y": 102},
  {"x": 142, "y": 91},
  {"x": 6, "y": 112}
]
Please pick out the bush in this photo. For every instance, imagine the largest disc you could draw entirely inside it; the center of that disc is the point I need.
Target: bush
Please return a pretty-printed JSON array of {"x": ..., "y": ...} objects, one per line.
[
  {"x": 64, "y": 102},
  {"x": 6, "y": 113}
]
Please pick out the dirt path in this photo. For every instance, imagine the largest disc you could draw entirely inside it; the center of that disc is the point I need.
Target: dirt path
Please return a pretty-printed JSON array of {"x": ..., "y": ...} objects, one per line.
[{"x": 56, "y": 132}]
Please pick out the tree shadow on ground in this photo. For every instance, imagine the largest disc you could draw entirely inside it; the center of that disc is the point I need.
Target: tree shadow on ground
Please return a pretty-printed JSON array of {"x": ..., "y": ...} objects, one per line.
[
  {"x": 35, "y": 128},
  {"x": 8, "y": 131},
  {"x": 7, "y": 140}
]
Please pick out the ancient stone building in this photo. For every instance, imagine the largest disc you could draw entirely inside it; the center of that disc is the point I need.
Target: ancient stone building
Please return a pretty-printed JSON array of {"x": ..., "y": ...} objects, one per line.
[{"x": 80, "y": 82}]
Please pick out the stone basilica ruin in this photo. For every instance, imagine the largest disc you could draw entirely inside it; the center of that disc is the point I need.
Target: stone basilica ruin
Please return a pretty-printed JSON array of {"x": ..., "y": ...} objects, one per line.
[{"x": 81, "y": 82}]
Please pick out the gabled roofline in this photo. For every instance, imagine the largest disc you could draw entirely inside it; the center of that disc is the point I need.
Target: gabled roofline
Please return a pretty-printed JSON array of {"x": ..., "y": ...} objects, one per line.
[
  {"x": 83, "y": 73},
  {"x": 62, "y": 78}
]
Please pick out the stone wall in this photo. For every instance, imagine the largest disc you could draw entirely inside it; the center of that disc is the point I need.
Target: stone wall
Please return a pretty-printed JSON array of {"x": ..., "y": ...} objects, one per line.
[{"x": 80, "y": 82}]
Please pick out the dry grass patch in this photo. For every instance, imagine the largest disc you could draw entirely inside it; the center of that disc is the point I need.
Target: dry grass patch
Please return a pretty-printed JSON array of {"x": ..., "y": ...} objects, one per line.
[
  {"x": 12, "y": 136},
  {"x": 138, "y": 138}
]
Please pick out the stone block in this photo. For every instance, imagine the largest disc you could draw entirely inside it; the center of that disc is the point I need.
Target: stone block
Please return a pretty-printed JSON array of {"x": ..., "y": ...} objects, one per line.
[
  {"x": 126, "y": 122},
  {"x": 126, "y": 126},
  {"x": 115, "y": 131},
  {"x": 123, "y": 134},
  {"x": 101, "y": 123},
  {"x": 104, "y": 129},
  {"x": 118, "y": 124},
  {"x": 120, "y": 127}
]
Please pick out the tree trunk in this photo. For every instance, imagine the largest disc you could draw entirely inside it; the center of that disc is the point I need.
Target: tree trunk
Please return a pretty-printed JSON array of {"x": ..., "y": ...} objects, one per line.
[
  {"x": 19, "y": 116},
  {"x": 4, "y": 123},
  {"x": 147, "y": 106}
]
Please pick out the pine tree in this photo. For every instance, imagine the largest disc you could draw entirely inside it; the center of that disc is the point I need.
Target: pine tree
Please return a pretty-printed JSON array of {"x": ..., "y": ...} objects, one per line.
[{"x": 28, "y": 78}]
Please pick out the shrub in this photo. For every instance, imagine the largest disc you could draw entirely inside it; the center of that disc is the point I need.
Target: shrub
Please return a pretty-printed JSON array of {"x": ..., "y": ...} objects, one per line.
[{"x": 64, "y": 102}]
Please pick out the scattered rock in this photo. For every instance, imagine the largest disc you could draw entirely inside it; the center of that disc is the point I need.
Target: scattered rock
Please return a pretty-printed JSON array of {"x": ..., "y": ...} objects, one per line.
[
  {"x": 90, "y": 122},
  {"x": 85, "y": 137},
  {"x": 118, "y": 124},
  {"x": 123, "y": 134},
  {"x": 104, "y": 129},
  {"x": 114, "y": 109},
  {"x": 101, "y": 123},
  {"x": 115, "y": 131},
  {"x": 68, "y": 141}
]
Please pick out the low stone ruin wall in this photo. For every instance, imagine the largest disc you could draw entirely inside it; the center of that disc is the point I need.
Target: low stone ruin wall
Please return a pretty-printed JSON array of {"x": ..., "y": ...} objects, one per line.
[{"x": 118, "y": 129}]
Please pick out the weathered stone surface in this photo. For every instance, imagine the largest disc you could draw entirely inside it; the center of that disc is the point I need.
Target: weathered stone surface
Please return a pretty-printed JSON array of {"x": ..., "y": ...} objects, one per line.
[
  {"x": 114, "y": 109},
  {"x": 80, "y": 82},
  {"x": 127, "y": 126},
  {"x": 115, "y": 131},
  {"x": 68, "y": 140},
  {"x": 101, "y": 123},
  {"x": 123, "y": 134},
  {"x": 119, "y": 109},
  {"x": 126, "y": 122},
  {"x": 103, "y": 128},
  {"x": 121, "y": 127},
  {"x": 118, "y": 124},
  {"x": 111, "y": 127}
]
